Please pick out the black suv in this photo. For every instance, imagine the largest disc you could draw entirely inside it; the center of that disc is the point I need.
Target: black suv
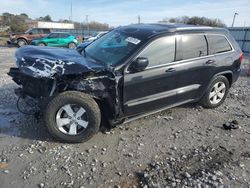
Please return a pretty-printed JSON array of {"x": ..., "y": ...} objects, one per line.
[{"x": 130, "y": 72}]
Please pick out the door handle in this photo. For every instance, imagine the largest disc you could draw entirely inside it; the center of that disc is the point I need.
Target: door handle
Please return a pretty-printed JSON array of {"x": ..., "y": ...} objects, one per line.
[
  {"x": 210, "y": 61},
  {"x": 171, "y": 70}
]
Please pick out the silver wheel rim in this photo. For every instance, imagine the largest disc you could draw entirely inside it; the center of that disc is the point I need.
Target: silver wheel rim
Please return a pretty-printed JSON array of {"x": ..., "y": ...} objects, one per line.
[
  {"x": 217, "y": 93},
  {"x": 72, "y": 46},
  {"x": 71, "y": 119},
  {"x": 41, "y": 44},
  {"x": 21, "y": 43}
]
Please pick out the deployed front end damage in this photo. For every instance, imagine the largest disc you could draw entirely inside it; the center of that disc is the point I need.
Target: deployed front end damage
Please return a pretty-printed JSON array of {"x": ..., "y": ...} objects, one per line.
[{"x": 45, "y": 72}]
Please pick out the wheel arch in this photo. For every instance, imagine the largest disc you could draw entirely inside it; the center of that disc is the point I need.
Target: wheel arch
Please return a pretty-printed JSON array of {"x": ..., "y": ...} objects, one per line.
[
  {"x": 22, "y": 38},
  {"x": 227, "y": 74},
  {"x": 104, "y": 103},
  {"x": 43, "y": 43}
]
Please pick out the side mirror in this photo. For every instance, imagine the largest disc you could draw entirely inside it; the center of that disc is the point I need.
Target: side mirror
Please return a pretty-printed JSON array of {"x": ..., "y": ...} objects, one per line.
[
  {"x": 30, "y": 33},
  {"x": 139, "y": 64}
]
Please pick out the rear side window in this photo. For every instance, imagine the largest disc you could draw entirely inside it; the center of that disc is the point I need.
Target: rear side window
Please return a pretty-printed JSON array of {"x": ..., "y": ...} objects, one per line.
[
  {"x": 64, "y": 35},
  {"x": 192, "y": 46},
  {"x": 54, "y": 35},
  {"x": 218, "y": 44},
  {"x": 160, "y": 51}
]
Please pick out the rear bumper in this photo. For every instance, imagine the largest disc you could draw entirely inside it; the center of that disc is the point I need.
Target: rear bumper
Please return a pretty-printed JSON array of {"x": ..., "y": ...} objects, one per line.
[{"x": 236, "y": 75}]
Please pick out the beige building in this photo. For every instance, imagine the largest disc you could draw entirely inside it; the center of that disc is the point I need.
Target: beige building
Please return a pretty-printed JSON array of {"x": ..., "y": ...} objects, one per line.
[{"x": 50, "y": 25}]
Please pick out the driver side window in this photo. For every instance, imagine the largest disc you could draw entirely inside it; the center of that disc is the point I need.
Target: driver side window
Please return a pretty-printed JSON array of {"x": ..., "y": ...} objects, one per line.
[{"x": 160, "y": 51}]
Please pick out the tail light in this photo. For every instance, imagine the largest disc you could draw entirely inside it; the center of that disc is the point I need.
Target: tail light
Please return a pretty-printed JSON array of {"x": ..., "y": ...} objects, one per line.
[{"x": 241, "y": 57}]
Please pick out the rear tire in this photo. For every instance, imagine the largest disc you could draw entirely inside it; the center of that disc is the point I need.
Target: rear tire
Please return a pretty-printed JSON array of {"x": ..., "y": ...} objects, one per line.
[
  {"x": 216, "y": 93},
  {"x": 41, "y": 44},
  {"x": 60, "y": 123},
  {"x": 72, "y": 45},
  {"x": 21, "y": 42}
]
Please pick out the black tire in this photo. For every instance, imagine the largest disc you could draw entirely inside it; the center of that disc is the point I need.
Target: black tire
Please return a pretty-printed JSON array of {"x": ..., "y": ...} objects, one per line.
[
  {"x": 72, "y": 45},
  {"x": 41, "y": 44},
  {"x": 81, "y": 99},
  {"x": 205, "y": 100},
  {"x": 21, "y": 42}
]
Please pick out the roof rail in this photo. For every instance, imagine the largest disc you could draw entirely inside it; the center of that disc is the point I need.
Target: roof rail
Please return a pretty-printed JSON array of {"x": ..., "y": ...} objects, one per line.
[{"x": 193, "y": 28}]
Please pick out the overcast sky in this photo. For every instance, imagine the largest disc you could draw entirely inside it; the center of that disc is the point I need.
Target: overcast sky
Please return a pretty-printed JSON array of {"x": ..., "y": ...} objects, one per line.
[{"x": 123, "y": 12}]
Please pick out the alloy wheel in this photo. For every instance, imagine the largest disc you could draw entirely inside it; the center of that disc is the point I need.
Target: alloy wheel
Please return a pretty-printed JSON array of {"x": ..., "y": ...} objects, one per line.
[
  {"x": 217, "y": 93},
  {"x": 72, "y": 119}
]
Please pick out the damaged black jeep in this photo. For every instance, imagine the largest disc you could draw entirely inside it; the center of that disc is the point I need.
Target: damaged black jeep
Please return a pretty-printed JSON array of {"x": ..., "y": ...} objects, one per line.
[{"x": 130, "y": 72}]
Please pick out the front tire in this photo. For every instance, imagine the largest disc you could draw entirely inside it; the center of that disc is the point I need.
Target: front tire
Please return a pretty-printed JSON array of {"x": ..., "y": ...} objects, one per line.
[
  {"x": 216, "y": 93},
  {"x": 72, "y": 117},
  {"x": 21, "y": 42}
]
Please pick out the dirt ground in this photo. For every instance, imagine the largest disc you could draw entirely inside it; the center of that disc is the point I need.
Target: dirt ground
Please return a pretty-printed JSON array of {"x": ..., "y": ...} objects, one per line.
[{"x": 181, "y": 147}]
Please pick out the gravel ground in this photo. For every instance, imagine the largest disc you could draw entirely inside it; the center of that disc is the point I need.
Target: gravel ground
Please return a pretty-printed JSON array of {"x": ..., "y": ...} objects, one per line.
[{"x": 180, "y": 147}]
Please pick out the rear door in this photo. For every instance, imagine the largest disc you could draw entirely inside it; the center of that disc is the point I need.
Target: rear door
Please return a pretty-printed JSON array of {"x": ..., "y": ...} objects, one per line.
[
  {"x": 195, "y": 66},
  {"x": 64, "y": 39}
]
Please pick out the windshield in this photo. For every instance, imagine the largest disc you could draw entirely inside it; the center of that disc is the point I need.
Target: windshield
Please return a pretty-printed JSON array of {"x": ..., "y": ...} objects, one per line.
[{"x": 112, "y": 48}]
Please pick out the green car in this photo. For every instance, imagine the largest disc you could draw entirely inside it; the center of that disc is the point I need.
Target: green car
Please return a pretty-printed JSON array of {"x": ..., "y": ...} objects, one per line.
[{"x": 56, "y": 39}]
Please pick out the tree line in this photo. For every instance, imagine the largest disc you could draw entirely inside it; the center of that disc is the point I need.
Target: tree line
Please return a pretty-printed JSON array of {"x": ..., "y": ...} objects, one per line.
[
  {"x": 18, "y": 23},
  {"x": 195, "y": 20}
]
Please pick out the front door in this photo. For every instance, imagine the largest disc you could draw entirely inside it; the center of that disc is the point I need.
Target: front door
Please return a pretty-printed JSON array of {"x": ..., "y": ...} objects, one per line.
[{"x": 155, "y": 86}]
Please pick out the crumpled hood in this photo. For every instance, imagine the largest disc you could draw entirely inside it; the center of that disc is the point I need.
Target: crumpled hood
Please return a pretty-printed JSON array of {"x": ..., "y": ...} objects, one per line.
[{"x": 49, "y": 62}]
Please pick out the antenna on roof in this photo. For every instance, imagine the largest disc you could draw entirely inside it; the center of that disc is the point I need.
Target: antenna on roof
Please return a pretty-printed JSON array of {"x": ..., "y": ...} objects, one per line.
[{"x": 139, "y": 19}]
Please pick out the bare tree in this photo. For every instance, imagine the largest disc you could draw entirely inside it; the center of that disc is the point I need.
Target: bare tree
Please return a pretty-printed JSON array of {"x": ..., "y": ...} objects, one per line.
[{"x": 195, "y": 20}]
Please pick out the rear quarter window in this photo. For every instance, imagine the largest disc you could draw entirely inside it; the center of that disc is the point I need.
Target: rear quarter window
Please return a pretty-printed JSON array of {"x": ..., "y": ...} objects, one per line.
[{"x": 218, "y": 44}]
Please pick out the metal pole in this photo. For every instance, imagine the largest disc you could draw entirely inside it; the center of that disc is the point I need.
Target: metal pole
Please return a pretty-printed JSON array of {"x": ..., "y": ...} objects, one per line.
[
  {"x": 139, "y": 19},
  {"x": 235, "y": 14},
  {"x": 87, "y": 21}
]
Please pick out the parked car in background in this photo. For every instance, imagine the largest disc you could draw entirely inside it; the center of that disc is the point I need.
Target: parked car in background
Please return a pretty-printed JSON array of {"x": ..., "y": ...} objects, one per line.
[
  {"x": 80, "y": 48},
  {"x": 130, "y": 72},
  {"x": 57, "y": 39},
  {"x": 95, "y": 36},
  {"x": 88, "y": 41},
  {"x": 21, "y": 39}
]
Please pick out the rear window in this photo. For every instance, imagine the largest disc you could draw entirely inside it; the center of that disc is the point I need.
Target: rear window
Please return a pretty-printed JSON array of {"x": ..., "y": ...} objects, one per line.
[
  {"x": 192, "y": 46},
  {"x": 218, "y": 44}
]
